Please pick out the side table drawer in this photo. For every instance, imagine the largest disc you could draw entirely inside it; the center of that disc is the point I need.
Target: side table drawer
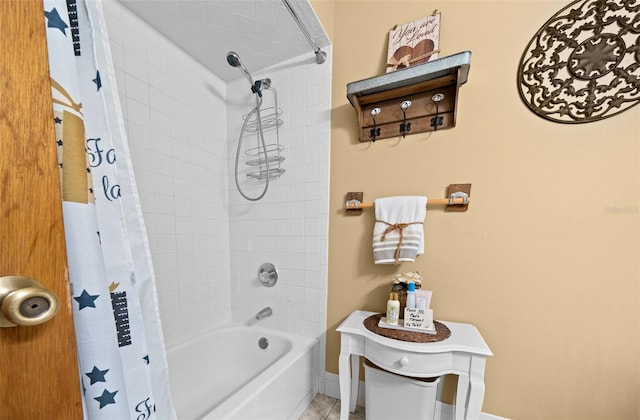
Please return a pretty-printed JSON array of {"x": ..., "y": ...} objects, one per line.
[{"x": 407, "y": 362}]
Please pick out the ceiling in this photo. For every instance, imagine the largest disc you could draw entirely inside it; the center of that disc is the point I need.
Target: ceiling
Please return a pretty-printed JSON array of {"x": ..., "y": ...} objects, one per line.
[{"x": 262, "y": 32}]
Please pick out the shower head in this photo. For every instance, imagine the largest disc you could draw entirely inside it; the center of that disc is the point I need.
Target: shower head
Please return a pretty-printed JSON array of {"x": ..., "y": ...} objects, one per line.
[{"x": 234, "y": 61}]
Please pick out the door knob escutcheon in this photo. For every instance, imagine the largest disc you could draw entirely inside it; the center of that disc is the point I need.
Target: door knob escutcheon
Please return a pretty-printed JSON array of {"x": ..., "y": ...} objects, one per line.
[{"x": 25, "y": 302}]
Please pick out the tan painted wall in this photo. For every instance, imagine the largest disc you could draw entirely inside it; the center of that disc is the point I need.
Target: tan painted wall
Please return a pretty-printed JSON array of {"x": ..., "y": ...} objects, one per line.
[{"x": 545, "y": 262}]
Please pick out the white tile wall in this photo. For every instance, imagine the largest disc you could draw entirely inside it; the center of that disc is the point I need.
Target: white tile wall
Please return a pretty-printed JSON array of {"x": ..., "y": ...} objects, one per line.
[
  {"x": 208, "y": 242},
  {"x": 175, "y": 115}
]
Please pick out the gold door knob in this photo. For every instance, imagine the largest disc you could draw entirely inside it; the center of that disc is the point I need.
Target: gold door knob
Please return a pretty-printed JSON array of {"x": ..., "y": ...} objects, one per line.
[{"x": 25, "y": 302}]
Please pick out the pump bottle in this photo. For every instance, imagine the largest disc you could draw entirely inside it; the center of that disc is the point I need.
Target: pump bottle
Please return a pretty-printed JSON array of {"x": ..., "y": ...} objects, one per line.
[
  {"x": 411, "y": 295},
  {"x": 393, "y": 309}
]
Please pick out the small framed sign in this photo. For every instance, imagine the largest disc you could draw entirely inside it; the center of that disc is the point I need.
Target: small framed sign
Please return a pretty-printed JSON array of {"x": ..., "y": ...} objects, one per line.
[
  {"x": 418, "y": 318},
  {"x": 414, "y": 43}
]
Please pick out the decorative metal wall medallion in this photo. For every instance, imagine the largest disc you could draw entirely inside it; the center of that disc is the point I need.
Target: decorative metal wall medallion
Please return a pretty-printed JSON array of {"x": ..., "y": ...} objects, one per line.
[{"x": 583, "y": 65}]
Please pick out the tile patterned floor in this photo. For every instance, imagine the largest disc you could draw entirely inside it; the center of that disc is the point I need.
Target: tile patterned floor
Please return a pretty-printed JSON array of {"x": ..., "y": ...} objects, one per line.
[{"x": 327, "y": 408}]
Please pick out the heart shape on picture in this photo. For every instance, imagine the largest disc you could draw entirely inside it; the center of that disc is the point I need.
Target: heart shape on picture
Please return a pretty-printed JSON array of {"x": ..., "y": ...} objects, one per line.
[{"x": 406, "y": 56}]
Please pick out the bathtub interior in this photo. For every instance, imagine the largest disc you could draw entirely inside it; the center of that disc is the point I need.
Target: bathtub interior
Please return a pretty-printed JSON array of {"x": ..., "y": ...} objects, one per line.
[
  {"x": 225, "y": 374},
  {"x": 281, "y": 393}
]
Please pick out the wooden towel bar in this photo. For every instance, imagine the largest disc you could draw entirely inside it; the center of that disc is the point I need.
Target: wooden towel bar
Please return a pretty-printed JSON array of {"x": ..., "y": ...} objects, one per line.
[{"x": 458, "y": 200}]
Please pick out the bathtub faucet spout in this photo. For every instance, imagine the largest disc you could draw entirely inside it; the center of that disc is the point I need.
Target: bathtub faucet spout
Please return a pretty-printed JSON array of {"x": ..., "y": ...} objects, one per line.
[{"x": 266, "y": 312}]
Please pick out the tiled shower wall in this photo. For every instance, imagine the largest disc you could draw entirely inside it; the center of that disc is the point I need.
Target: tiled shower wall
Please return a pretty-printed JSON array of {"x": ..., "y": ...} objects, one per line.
[
  {"x": 288, "y": 227},
  {"x": 206, "y": 241},
  {"x": 175, "y": 114}
]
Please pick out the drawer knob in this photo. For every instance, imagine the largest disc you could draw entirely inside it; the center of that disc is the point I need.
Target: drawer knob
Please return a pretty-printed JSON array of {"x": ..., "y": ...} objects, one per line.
[{"x": 404, "y": 361}]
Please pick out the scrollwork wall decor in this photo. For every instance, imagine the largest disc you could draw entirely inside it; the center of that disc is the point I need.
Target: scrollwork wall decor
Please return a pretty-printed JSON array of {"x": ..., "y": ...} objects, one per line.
[{"x": 583, "y": 64}]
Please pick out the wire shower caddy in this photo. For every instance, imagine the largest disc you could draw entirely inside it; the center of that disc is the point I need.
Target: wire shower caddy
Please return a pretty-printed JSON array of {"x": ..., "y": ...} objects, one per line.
[{"x": 257, "y": 157}]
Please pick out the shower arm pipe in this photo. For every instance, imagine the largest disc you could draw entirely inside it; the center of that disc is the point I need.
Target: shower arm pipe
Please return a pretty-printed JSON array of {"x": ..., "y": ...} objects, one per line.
[{"x": 321, "y": 56}]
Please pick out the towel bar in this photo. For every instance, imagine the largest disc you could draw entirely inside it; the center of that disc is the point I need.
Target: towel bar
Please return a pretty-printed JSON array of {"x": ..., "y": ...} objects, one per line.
[
  {"x": 354, "y": 204},
  {"x": 458, "y": 199}
]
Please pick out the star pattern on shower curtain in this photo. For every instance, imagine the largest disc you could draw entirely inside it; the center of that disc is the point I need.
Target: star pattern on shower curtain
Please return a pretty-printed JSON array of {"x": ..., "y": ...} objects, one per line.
[
  {"x": 85, "y": 300},
  {"x": 97, "y": 80},
  {"x": 103, "y": 225},
  {"x": 97, "y": 375},
  {"x": 106, "y": 398},
  {"x": 55, "y": 21}
]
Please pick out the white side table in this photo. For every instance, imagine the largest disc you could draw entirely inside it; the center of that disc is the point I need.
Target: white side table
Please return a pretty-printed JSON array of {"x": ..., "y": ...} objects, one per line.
[{"x": 463, "y": 353}]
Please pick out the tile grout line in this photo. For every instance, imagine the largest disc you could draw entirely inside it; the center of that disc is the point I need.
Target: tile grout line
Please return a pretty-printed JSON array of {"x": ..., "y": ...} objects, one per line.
[{"x": 330, "y": 411}]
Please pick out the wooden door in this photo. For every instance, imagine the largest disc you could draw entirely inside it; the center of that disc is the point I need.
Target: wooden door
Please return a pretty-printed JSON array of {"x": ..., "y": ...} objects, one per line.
[{"x": 38, "y": 367}]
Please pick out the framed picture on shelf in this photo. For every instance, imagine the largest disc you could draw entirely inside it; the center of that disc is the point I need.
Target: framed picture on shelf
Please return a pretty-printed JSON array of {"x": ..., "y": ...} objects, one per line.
[{"x": 414, "y": 43}]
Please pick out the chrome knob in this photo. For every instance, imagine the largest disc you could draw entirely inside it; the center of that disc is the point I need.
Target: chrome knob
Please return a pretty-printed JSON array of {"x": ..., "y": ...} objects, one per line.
[
  {"x": 268, "y": 275},
  {"x": 25, "y": 302}
]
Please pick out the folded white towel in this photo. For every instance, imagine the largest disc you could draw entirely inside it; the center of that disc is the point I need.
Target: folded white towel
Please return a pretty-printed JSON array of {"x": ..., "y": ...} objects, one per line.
[{"x": 398, "y": 234}]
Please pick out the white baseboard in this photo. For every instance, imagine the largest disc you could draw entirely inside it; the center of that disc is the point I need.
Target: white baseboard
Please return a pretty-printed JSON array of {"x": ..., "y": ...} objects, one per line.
[
  {"x": 297, "y": 412},
  {"x": 444, "y": 411},
  {"x": 332, "y": 388}
]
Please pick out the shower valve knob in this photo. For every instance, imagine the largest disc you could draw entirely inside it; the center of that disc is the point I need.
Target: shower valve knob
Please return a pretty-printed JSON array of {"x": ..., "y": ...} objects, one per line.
[
  {"x": 25, "y": 302},
  {"x": 268, "y": 275}
]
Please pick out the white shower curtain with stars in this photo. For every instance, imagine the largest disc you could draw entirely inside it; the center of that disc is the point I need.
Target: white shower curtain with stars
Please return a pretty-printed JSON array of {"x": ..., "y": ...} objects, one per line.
[{"x": 121, "y": 354}]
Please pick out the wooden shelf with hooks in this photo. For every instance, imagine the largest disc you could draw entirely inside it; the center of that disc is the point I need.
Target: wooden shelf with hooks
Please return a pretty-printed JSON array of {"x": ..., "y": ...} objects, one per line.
[{"x": 417, "y": 84}]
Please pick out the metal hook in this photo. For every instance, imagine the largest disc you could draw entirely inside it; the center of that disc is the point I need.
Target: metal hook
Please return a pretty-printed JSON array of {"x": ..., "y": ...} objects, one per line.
[
  {"x": 375, "y": 131},
  {"x": 437, "y": 120},
  {"x": 405, "y": 127}
]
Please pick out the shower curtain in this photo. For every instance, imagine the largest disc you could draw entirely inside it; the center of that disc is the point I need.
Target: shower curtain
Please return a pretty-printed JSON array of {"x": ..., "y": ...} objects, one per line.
[{"x": 121, "y": 354}]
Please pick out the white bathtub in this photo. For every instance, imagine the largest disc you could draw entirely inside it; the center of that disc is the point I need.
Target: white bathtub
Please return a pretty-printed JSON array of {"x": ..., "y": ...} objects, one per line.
[{"x": 226, "y": 375}]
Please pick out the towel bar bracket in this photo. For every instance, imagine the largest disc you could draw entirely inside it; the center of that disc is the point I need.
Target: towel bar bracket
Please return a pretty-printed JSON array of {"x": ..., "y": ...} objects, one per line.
[
  {"x": 458, "y": 194},
  {"x": 353, "y": 203},
  {"x": 457, "y": 191}
]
